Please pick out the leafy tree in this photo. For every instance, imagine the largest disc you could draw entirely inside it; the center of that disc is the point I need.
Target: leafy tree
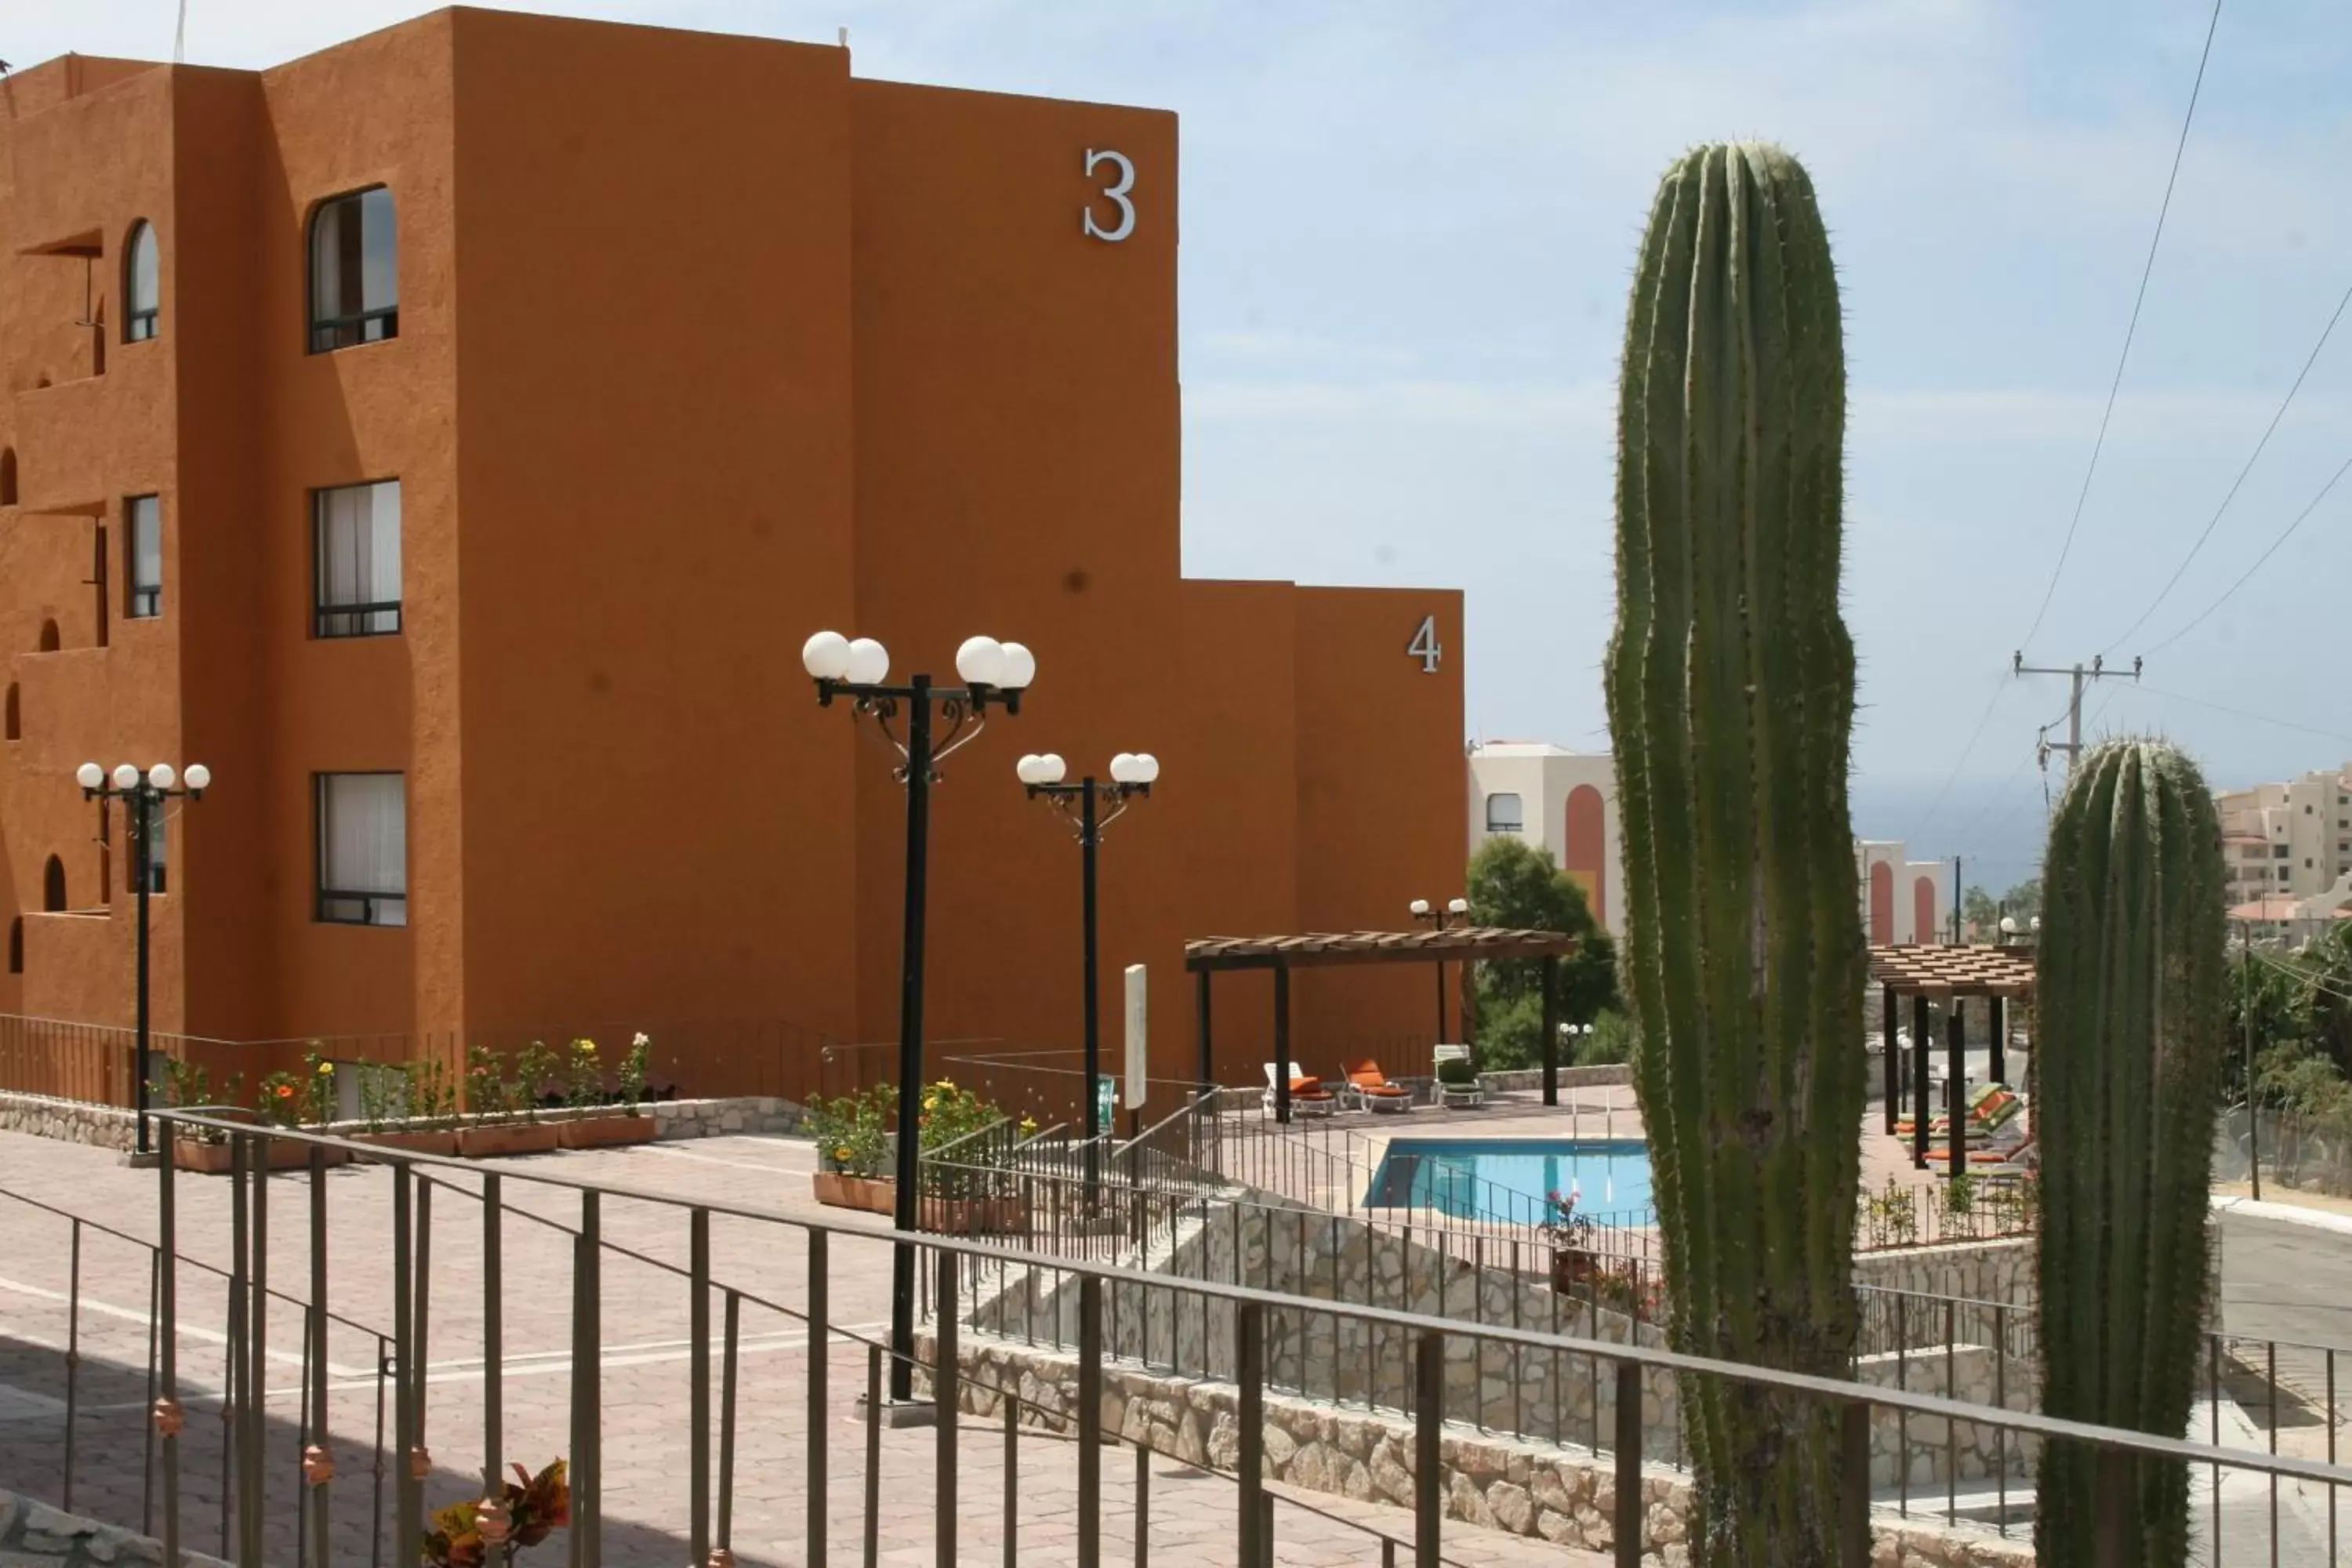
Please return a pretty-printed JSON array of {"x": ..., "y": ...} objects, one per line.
[
  {"x": 2023, "y": 901},
  {"x": 1513, "y": 884},
  {"x": 1978, "y": 911}
]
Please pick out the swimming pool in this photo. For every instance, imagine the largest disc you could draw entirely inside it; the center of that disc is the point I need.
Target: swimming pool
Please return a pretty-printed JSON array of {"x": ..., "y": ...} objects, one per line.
[{"x": 1506, "y": 1178}]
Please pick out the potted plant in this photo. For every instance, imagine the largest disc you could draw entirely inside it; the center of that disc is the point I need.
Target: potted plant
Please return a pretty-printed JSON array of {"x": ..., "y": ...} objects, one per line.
[
  {"x": 1571, "y": 1235},
  {"x": 414, "y": 1095},
  {"x": 854, "y": 1147},
  {"x": 496, "y": 1099},
  {"x": 596, "y": 1123},
  {"x": 200, "y": 1149},
  {"x": 966, "y": 1143},
  {"x": 489, "y": 1533}
]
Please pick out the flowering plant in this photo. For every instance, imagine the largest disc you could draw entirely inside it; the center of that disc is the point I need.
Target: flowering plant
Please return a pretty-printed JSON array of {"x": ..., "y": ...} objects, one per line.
[
  {"x": 633, "y": 1071},
  {"x": 282, "y": 1100},
  {"x": 853, "y": 1132},
  {"x": 489, "y": 1095},
  {"x": 537, "y": 1505},
  {"x": 585, "y": 1085},
  {"x": 1562, "y": 1225},
  {"x": 187, "y": 1083},
  {"x": 319, "y": 1097},
  {"x": 534, "y": 1065}
]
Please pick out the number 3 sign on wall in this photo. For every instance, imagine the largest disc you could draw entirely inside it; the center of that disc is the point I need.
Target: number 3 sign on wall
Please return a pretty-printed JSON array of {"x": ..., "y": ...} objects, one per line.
[{"x": 1116, "y": 192}]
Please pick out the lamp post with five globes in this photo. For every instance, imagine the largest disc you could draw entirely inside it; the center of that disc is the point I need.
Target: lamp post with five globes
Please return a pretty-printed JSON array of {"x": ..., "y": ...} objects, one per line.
[
  {"x": 994, "y": 673},
  {"x": 1131, "y": 777},
  {"x": 1455, "y": 909},
  {"x": 142, "y": 794}
]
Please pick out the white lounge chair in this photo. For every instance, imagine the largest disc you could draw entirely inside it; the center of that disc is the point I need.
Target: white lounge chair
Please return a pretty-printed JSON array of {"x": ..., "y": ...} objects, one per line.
[
  {"x": 1308, "y": 1094},
  {"x": 1456, "y": 1096}
]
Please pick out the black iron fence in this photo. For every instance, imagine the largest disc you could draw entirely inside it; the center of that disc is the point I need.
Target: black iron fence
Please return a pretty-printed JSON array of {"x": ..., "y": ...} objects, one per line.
[{"x": 282, "y": 1499}]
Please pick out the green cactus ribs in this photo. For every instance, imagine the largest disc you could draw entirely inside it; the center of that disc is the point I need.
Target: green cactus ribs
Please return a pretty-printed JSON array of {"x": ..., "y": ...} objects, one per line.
[
  {"x": 1730, "y": 683},
  {"x": 2131, "y": 987}
]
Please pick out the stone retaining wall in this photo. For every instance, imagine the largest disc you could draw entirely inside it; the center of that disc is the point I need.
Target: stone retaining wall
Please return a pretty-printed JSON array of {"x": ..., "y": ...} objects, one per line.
[
  {"x": 35, "y": 1536},
  {"x": 109, "y": 1127},
  {"x": 67, "y": 1121},
  {"x": 1554, "y": 1396},
  {"x": 1567, "y": 1497}
]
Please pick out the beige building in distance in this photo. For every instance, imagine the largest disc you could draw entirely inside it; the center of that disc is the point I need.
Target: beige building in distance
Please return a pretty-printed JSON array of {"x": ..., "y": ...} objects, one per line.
[
  {"x": 2287, "y": 841},
  {"x": 1565, "y": 804}
]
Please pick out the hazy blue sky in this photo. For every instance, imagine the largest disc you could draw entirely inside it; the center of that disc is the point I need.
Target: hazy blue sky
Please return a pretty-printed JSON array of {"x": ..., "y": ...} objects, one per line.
[{"x": 1407, "y": 230}]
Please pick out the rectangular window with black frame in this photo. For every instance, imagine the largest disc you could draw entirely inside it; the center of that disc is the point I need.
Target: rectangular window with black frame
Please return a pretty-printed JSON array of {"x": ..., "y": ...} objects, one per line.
[
  {"x": 362, "y": 849},
  {"x": 143, "y": 518},
  {"x": 356, "y": 546}
]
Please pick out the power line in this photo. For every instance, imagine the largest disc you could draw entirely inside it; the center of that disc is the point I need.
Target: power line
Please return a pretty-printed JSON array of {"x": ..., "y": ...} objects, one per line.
[
  {"x": 2243, "y": 714},
  {"x": 1965, "y": 751},
  {"x": 2146, "y": 271},
  {"x": 2258, "y": 560},
  {"x": 2254, "y": 457}
]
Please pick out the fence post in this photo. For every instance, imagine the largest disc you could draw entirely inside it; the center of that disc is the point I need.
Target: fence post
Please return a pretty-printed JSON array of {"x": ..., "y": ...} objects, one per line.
[
  {"x": 819, "y": 1351},
  {"x": 1854, "y": 1524},
  {"x": 1628, "y": 1527},
  {"x": 1090, "y": 1420},
  {"x": 1249, "y": 1378},
  {"x": 944, "y": 1403},
  {"x": 697, "y": 1404},
  {"x": 1428, "y": 1420}
]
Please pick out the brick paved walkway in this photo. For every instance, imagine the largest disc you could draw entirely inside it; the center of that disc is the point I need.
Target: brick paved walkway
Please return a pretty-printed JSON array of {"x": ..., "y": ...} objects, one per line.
[{"x": 1191, "y": 1517}]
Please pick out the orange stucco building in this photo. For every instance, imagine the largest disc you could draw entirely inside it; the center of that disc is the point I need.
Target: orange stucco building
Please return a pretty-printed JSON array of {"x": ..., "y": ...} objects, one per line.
[{"x": 652, "y": 352}]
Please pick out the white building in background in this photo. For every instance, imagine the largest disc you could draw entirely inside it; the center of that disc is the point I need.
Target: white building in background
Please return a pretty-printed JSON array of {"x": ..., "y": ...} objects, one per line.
[
  {"x": 2287, "y": 842},
  {"x": 1565, "y": 804},
  {"x": 1562, "y": 802}
]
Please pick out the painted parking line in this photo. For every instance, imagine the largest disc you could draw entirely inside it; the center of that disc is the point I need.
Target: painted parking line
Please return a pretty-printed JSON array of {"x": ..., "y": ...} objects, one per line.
[{"x": 187, "y": 1330}]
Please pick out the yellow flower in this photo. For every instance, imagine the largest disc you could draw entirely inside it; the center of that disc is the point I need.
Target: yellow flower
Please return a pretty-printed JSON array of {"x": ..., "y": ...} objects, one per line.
[
  {"x": 585, "y": 1047},
  {"x": 930, "y": 1100},
  {"x": 842, "y": 1154},
  {"x": 325, "y": 1068}
]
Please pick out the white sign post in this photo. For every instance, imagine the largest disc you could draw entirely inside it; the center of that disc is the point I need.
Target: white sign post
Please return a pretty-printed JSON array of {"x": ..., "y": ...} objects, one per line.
[{"x": 1138, "y": 1063}]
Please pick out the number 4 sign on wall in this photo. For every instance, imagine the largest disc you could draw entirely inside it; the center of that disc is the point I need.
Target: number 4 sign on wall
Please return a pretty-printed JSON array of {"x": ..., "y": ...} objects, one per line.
[{"x": 1424, "y": 645}]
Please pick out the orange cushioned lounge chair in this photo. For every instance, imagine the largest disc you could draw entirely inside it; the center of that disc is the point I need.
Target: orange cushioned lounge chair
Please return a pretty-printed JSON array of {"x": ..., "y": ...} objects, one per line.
[{"x": 1372, "y": 1088}]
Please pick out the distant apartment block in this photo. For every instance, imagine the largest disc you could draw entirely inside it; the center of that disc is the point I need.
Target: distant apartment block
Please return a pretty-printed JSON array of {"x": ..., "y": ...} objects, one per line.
[
  {"x": 2287, "y": 841},
  {"x": 1565, "y": 804}
]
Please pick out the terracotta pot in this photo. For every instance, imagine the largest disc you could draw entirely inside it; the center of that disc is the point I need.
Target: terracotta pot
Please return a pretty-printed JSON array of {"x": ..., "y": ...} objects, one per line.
[
  {"x": 214, "y": 1159},
  {"x": 504, "y": 1138},
  {"x": 876, "y": 1194},
  {"x": 605, "y": 1132},
  {"x": 827, "y": 1186},
  {"x": 442, "y": 1141},
  {"x": 974, "y": 1216}
]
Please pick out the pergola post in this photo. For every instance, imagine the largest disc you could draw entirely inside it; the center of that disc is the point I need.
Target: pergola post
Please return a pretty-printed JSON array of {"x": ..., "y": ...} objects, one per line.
[
  {"x": 1282, "y": 1044},
  {"x": 1919, "y": 1110},
  {"x": 1894, "y": 1062},
  {"x": 1997, "y": 1071},
  {"x": 1956, "y": 1077},
  {"x": 1208, "y": 1052},
  {"x": 1551, "y": 1031}
]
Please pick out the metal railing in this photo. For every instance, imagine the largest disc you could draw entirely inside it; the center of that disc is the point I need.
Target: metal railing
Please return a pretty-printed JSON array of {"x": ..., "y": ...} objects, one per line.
[{"x": 1240, "y": 1319}]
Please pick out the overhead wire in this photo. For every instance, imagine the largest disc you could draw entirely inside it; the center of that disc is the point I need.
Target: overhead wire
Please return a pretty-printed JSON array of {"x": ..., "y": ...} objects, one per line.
[
  {"x": 2244, "y": 713},
  {"x": 2146, "y": 271},
  {"x": 2260, "y": 560},
  {"x": 2271, "y": 429},
  {"x": 2080, "y": 501}
]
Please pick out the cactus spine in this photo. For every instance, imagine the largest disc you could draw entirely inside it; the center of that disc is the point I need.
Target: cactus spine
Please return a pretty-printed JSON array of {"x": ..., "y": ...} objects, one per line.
[
  {"x": 2134, "y": 1020},
  {"x": 1730, "y": 704}
]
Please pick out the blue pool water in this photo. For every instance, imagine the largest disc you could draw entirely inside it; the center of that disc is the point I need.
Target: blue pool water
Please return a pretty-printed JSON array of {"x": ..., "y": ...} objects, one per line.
[{"x": 1506, "y": 1178}]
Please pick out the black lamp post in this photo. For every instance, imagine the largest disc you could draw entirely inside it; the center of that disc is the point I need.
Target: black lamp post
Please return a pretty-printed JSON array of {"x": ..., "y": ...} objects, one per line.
[
  {"x": 993, "y": 672},
  {"x": 1131, "y": 775},
  {"x": 143, "y": 796},
  {"x": 1454, "y": 910}
]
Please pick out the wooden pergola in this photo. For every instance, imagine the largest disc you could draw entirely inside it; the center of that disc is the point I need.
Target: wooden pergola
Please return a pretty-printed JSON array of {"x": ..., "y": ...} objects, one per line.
[
  {"x": 1207, "y": 956},
  {"x": 1951, "y": 974}
]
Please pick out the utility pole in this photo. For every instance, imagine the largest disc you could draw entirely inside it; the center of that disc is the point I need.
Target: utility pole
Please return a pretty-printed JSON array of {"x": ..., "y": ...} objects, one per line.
[
  {"x": 2096, "y": 671},
  {"x": 1955, "y": 900},
  {"x": 2246, "y": 1007}
]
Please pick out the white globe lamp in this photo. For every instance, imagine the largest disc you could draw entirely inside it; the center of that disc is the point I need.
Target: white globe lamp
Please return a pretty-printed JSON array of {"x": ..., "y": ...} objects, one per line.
[{"x": 826, "y": 656}]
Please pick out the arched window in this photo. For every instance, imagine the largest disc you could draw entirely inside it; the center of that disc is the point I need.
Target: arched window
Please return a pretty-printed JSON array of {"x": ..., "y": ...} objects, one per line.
[
  {"x": 1504, "y": 816},
  {"x": 1882, "y": 903},
  {"x": 1925, "y": 927},
  {"x": 1585, "y": 854},
  {"x": 53, "y": 886},
  {"x": 17, "y": 945},
  {"x": 15, "y": 726},
  {"x": 49, "y": 643},
  {"x": 7, "y": 476},
  {"x": 142, "y": 283},
  {"x": 355, "y": 271}
]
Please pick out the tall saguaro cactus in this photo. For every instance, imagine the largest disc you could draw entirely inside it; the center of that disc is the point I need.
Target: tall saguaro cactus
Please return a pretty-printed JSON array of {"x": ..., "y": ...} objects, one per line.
[
  {"x": 2133, "y": 1007},
  {"x": 1730, "y": 705}
]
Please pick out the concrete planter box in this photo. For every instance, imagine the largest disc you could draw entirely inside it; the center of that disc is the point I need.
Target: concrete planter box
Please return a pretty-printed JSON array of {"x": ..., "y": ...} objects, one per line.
[
  {"x": 442, "y": 1141},
  {"x": 214, "y": 1159},
  {"x": 596, "y": 1131},
  {"x": 508, "y": 1138}
]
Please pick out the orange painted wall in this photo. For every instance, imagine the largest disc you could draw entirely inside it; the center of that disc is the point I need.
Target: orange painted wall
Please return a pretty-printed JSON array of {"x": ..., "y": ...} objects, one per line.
[{"x": 775, "y": 350}]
